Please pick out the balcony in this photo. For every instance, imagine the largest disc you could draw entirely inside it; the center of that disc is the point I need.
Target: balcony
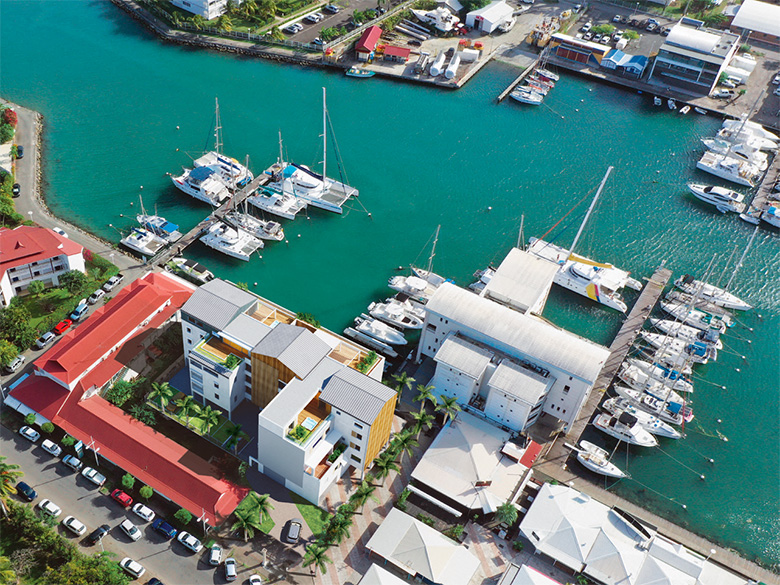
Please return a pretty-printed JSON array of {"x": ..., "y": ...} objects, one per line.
[{"x": 219, "y": 354}]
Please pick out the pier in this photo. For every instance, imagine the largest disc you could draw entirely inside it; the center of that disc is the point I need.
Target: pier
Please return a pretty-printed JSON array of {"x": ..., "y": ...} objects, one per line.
[
  {"x": 517, "y": 81},
  {"x": 760, "y": 201}
]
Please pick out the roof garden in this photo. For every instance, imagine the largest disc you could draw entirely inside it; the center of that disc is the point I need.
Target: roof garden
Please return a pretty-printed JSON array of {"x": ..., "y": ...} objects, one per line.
[{"x": 218, "y": 352}]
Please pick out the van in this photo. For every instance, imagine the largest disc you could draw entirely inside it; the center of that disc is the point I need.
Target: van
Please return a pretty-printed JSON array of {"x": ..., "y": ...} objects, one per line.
[
  {"x": 79, "y": 311},
  {"x": 735, "y": 80}
]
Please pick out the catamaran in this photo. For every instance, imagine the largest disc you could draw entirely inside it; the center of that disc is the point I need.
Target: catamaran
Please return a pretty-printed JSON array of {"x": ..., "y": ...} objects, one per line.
[
  {"x": 276, "y": 203},
  {"x": 204, "y": 184},
  {"x": 231, "y": 241},
  {"x": 711, "y": 293},
  {"x": 143, "y": 241},
  {"x": 596, "y": 459},
  {"x": 651, "y": 423},
  {"x": 625, "y": 427}
]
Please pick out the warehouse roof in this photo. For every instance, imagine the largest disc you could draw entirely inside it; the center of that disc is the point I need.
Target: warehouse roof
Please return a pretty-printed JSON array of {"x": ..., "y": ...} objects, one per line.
[
  {"x": 460, "y": 353},
  {"x": 522, "y": 281},
  {"x": 759, "y": 17}
]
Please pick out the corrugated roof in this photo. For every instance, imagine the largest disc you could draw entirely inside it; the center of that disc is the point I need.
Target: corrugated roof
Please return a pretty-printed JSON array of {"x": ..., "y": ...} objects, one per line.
[
  {"x": 357, "y": 394},
  {"x": 516, "y": 380},
  {"x": 522, "y": 280},
  {"x": 759, "y": 17},
  {"x": 368, "y": 39},
  {"x": 296, "y": 347},
  {"x": 218, "y": 302},
  {"x": 515, "y": 332},
  {"x": 247, "y": 330},
  {"x": 394, "y": 51},
  {"x": 524, "y": 575},
  {"x": 376, "y": 575},
  {"x": 494, "y": 11},
  {"x": 463, "y": 355}
]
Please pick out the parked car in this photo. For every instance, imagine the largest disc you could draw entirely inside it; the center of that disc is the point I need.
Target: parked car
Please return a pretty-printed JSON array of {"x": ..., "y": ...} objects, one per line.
[
  {"x": 94, "y": 476},
  {"x": 606, "y": 39},
  {"x": 314, "y": 18},
  {"x": 130, "y": 529},
  {"x": 96, "y": 296},
  {"x": 332, "y": 8},
  {"x": 143, "y": 512},
  {"x": 586, "y": 27},
  {"x": 231, "y": 574},
  {"x": 723, "y": 94},
  {"x": 19, "y": 151},
  {"x": 51, "y": 447},
  {"x": 189, "y": 541},
  {"x": 74, "y": 525},
  {"x": 73, "y": 462},
  {"x": 62, "y": 326},
  {"x": 597, "y": 37},
  {"x": 651, "y": 27},
  {"x": 49, "y": 508},
  {"x": 634, "y": 22},
  {"x": 161, "y": 526},
  {"x": 26, "y": 491},
  {"x": 318, "y": 42},
  {"x": 414, "y": 43},
  {"x": 79, "y": 312},
  {"x": 624, "y": 20},
  {"x": 16, "y": 190},
  {"x": 17, "y": 363},
  {"x": 132, "y": 567},
  {"x": 616, "y": 18},
  {"x": 577, "y": 7},
  {"x": 44, "y": 340},
  {"x": 255, "y": 580},
  {"x": 777, "y": 91},
  {"x": 97, "y": 535},
  {"x": 60, "y": 231},
  {"x": 728, "y": 83},
  {"x": 29, "y": 433},
  {"x": 665, "y": 31},
  {"x": 776, "y": 80},
  {"x": 588, "y": 36},
  {"x": 113, "y": 282},
  {"x": 294, "y": 530},
  {"x": 215, "y": 555},
  {"x": 122, "y": 498}
]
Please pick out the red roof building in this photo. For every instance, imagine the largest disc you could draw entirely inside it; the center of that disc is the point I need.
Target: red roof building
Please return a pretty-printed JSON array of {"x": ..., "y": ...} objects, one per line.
[
  {"x": 30, "y": 253},
  {"x": 365, "y": 47},
  {"x": 400, "y": 54},
  {"x": 65, "y": 384}
]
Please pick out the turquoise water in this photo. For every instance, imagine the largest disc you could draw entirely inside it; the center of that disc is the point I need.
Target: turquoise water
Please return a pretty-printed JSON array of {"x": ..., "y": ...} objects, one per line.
[{"x": 113, "y": 97}]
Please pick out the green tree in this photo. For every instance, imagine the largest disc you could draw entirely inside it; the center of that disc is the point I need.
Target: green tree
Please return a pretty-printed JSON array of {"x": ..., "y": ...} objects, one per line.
[
  {"x": 210, "y": 417},
  {"x": 47, "y": 428},
  {"x": 83, "y": 569},
  {"x": 7, "y": 573},
  {"x": 405, "y": 442},
  {"x": 128, "y": 481},
  {"x": 15, "y": 325},
  {"x": 162, "y": 393},
  {"x": 384, "y": 464},
  {"x": 449, "y": 406},
  {"x": 225, "y": 23},
  {"x": 119, "y": 393},
  {"x": 146, "y": 492},
  {"x": 183, "y": 516},
  {"x": 425, "y": 393},
  {"x": 197, "y": 21},
  {"x": 74, "y": 281},
  {"x": 506, "y": 513},
  {"x": 10, "y": 474},
  {"x": 144, "y": 414},
  {"x": 233, "y": 437},
  {"x": 316, "y": 555},
  {"x": 68, "y": 441},
  {"x": 6, "y": 133},
  {"x": 363, "y": 493},
  {"x": 8, "y": 352},
  {"x": 403, "y": 380},
  {"x": 36, "y": 287},
  {"x": 249, "y": 8},
  {"x": 338, "y": 528},
  {"x": 30, "y": 419},
  {"x": 259, "y": 504},
  {"x": 176, "y": 19},
  {"x": 267, "y": 9},
  {"x": 630, "y": 34},
  {"x": 188, "y": 406},
  {"x": 247, "y": 521},
  {"x": 422, "y": 419}
]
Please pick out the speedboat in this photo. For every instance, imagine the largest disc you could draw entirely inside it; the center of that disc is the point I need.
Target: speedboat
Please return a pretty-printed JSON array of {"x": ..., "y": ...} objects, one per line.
[
  {"x": 160, "y": 227},
  {"x": 771, "y": 215},
  {"x": 741, "y": 151},
  {"x": 379, "y": 330},
  {"x": 526, "y": 96},
  {"x": 597, "y": 460},
  {"x": 279, "y": 204},
  {"x": 396, "y": 313},
  {"x": 755, "y": 128},
  {"x": 729, "y": 168},
  {"x": 739, "y": 136},
  {"x": 204, "y": 184},
  {"x": 626, "y": 428},
  {"x": 265, "y": 230},
  {"x": 232, "y": 172},
  {"x": 687, "y": 333},
  {"x": 657, "y": 101},
  {"x": 711, "y": 293},
  {"x": 723, "y": 199},
  {"x": 696, "y": 317},
  {"x": 651, "y": 423},
  {"x": 669, "y": 408},
  {"x": 143, "y": 241},
  {"x": 697, "y": 352},
  {"x": 190, "y": 269},
  {"x": 359, "y": 72},
  {"x": 639, "y": 378},
  {"x": 231, "y": 241}
]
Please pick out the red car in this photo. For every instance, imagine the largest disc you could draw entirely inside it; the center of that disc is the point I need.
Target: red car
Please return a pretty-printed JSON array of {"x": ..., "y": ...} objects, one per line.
[
  {"x": 62, "y": 326},
  {"x": 122, "y": 498}
]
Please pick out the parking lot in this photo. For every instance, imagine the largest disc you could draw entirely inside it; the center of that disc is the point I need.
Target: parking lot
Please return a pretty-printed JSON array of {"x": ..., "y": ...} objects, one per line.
[{"x": 343, "y": 18}]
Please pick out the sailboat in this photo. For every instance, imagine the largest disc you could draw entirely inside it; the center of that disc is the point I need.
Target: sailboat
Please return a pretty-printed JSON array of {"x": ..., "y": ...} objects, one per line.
[
  {"x": 423, "y": 282},
  {"x": 652, "y": 424},
  {"x": 598, "y": 281},
  {"x": 696, "y": 317},
  {"x": 158, "y": 225},
  {"x": 669, "y": 408},
  {"x": 233, "y": 173},
  {"x": 687, "y": 333},
  {"x": 259, "y": 228},
  {"x": 668, "y": 345},
  {"x": 596, "y": 459},
  {"x": 639, "y": 378},
  {"x": 711, "y": 293}
]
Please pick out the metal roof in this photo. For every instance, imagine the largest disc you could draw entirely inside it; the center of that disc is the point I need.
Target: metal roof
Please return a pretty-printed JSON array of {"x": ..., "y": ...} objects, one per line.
[
  {"x": 709, "y": 42},
  {"x": 463, "y": 355},
  {"x": 296, "y": 347},
  {"x": 246, "y": 330},
  {"x": 759, "y": 17},
  {"x": 494, "y": 11},
  {"x": 217, "y": 303},
  {"x": 518, "y": 381},
  {"x": 521, "y": 280},
  {"x": 356, "y": 394},
  {"x": 518, "y": 333}
]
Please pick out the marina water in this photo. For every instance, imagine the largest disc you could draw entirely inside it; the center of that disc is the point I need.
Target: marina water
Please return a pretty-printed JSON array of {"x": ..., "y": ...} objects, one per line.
[{"x": 122, "y": 109}]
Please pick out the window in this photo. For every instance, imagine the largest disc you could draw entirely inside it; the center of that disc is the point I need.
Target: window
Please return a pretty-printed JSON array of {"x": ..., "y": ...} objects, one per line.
[
  {"x": 189, "y": 330},
  {"x": 37, "y": 273},
  {"x": 357, "y": 435},
  {"x": 355, "y": 447},
  {"x": 566, "y": 389},
  {"x": 358, "y": 425},
  {"x": 189, "y": 342},
  {"x": 216, "y": 396},
  {"x": 355, "y": 458},
  {"x": 216, "y": 384}
]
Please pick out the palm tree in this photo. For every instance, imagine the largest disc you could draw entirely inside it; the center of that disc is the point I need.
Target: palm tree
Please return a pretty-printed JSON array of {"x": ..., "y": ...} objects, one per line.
[
  {"x": 403, "y": 380},
  {"x": 422, "y": 419},
  {"x": 384, "y": 464},
  {"x": 261, "y": 503},
  {"x": 197, "y": 21},
  {"x": 248, "y": 521},
  {"x": 316, "y": 555},
  {"x": 449, "y": 406},
  {"x": 225, "y": 23},
  {"x": 425, "y": 393},
  {"x": 7, "y": 574},
  {"x": 10, "y": 474},
  {"x": 233, "y": 437},
  {"x": 210, "y": 417},
  {"x": 162, "y": 393},
  {"x": 249, "y": 8},
  {"x": 188, "y": 406},
  {"x": 267, "y": 9},
  {"x": 176, "y": 19},
  {"x": 405, "y": 443},
  {"x": 363, "y": 493},
  {"x": 506, "y": 513},
  {"x": 338, "y": 528}
]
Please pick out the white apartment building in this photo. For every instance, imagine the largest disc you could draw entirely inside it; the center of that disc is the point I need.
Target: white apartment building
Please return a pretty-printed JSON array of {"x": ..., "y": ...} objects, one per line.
[{"x": 208, "y": 9}]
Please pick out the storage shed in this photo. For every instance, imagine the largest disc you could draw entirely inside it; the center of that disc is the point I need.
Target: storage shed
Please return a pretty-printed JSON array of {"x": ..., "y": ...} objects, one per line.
[
  {"x": 366, "y": 45},
  {"x": 490, "y": 17},
  {"x": 397, "y": 54}
]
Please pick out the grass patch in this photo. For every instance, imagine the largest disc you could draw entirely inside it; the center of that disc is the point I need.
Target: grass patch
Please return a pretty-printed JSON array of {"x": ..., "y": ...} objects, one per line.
[
  {"x": 315, "y": 517},
  {"x": 267, "y": 525}
]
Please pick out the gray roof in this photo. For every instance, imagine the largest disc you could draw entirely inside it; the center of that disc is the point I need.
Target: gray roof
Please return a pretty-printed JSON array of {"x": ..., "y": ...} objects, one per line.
[
  {"x": 463, "y": 355},
  {"x": 521, "y": 280},
  {"x": 518, "y": 381},
  {"x": 296, "y": 347},
  {"x": 518, "y": 333},
  {"x": 704, "y": 41},
  {"x": 217, "y": 303},
  {"x": 356, "y": 394},
  {"x": 758, "y": 16},
  {"x": 247, "y": 330}
]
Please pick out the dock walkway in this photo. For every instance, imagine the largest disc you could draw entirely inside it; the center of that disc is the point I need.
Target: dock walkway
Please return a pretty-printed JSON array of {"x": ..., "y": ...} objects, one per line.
[
  {"x": 517, "y": 81},
  {"x": 760, "y": 202}
]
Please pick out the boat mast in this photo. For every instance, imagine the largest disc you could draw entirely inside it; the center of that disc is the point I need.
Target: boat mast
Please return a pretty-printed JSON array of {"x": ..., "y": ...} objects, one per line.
[
  {"x": 433, "y": 249},
  {"x": 217, "y": 130},
  {"x": 520, "y": 237},
  {"x": 281, "y": 149},
  {"x": 587, "y": 215},
  {"x": 141, "y": 199},
  {"x": 324, "y": 135},
  {"x": 741, "y": 259}
]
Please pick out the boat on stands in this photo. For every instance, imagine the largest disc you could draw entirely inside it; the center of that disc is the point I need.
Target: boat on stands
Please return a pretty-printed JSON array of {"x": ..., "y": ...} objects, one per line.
[
  {"x": 741, "y": 151},
  {"x": 711, "y": 293},
  {"x": 397, "y": 313},
  {"x": 697, "y": 351},
  {"x": 694, "y": 317},
  {"x": 651, "y": 423},
  {"x": 204, "y": 184},
  {"x": 526, "y": 96},
  {"x": 276, "y": 203},
  {"x": 729, "y": 168},
  {"x": 755, "y": 128},
  {"x": 259, "y": 228},
  {"x": 626, "y": 428},
  {"x": 687, "y": 333},
  {"x": 359, "y": 72},
  {"x": 597, "y": 460},
  {"x": 371, "y": 342},
  {"x": 378, "y": 330},
  {"x": 668, "y": 407},
  {"x": 190, "y": 269},
  {"x": 747, "y": 137},
  {"x": 143, "y": 242},
  {"x": 639, "y": 378},
  {"x": 225, "y": 238}
]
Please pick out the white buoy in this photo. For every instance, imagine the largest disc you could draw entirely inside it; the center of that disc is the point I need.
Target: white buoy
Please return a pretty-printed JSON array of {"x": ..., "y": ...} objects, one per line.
[
  {"x": 255, "y": 282},
  {"x": 576, "y": 109},
  {"x": 287, "y": 241},
  {"x": 738, "y": 369},
  {"x": 684, "y": 507},
  {"x": 142, "y": 186},
  {"x": 723, "y": 387},
  {"x": 299, "y": 235},
  {"x": 177, "y": 127},
  {"x": 725, "y": 439},
  {"x": 369, "y": 214},
  {"x": 122, "y": 214},
  {"x": 490, "y": 208},
  {"x": 719, "y": 421},
  {"x": 701, "y": 477},
  {"x": 131, "y": 204},
  {"x": 177, "y": 150},
  {"x": 712, "y": 461}
]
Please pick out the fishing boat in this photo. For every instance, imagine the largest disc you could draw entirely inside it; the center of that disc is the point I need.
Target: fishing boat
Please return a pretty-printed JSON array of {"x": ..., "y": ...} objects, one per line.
[
  {"x": 597, "y": 460},
  {"x": 711, "y": 293},
  {"x": 669, "y": 407},
  {"x": 743, "y": 151},
  {"x": 276, "y": 203},
  {"x": 729, "y": 168},
  {"x": 379, "y": 330},
  {"x": 626, "y": 428},
  {"x": 723, "y": 199},
  {"x": 204, "y": 184},
  {"x": 359, "y": 72},
  {"x": 398, "y": 314},
  {"x": 672, "y": 104},
  {"x": 687, "y": 333},
  {"x": 657, "y": 101},
  {"x": 143, "y": 242},
  {"x": 371, "y": 342},
  {"x": 190, "y": 269},
  {"x": 685, "y": 109},
  {"x": 651, "y": 423},
  {"x": 639, "y": 378},
  {"x": 696, "y": 317},
  {"x": 234, "y": 242},
  {"x": 696, "y": 351},
  {"x": 755, "y": 128},
  {"x": 526, "y": 96},
  {"x": 699, "y": 110}
]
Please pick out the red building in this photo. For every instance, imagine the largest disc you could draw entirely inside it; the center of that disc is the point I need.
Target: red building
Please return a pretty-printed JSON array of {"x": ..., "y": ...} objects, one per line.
[
  {"x": 397, "y": 54},
  {"x": 365, "y": 47}
]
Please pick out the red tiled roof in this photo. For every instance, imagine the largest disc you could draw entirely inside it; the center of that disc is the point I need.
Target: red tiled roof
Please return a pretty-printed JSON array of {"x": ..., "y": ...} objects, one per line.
[
  {"x": 368, "y": 39},
  {"x": 530, "y": 455},
  {"x": 394, "y": 51},
  {"x": 42, "y": 394},
  {"x": 27, "y": 243}
]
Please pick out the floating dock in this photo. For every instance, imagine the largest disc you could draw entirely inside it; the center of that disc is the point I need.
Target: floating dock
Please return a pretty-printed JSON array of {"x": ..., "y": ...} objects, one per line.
[
  {"x": 517, "y": 81},
  {"x": 761, "y": 200}
]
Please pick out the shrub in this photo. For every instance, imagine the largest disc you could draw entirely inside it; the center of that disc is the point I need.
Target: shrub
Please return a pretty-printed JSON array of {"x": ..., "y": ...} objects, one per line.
[
  {"x": 425, "y": 519},
  {"x": 518, "y": 546},
  {"x": 6, "y": 133},
  {"x": 36, "y": 287},
  {"x": 74, "y": 281},
  {"x": 607, "y": 29},
  {"x": 454, "y": 532},
  {"x": 183, "y": 516},
  {"x": 232, "y": 361},
  {"x": 9, "y": 117},
  {"x": 337, "y": 450},
  {"x": 365, "y": 363},
  {"x": 119, "y": 393},
  {"x": 68, "y": 441},
  {"x": 146, "y": 492},
  {"x": 308, "y": 318},
  {"x": 630, "y": 35},
  {"x": 47, "y": 428},
  {"x": 128, "y": 481},
  {"x": 144, "y": 414},
  {"x": 29, "y": 419}
]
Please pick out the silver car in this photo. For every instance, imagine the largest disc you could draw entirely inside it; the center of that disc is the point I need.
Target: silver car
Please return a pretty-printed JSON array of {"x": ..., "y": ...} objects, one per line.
[{"x": 94, "y": 476}]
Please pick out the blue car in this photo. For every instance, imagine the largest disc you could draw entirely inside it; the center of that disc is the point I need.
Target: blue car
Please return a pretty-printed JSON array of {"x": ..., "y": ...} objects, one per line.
[
  {"x": 26, "y": 491},
  {"x": 161, "y": 526}
]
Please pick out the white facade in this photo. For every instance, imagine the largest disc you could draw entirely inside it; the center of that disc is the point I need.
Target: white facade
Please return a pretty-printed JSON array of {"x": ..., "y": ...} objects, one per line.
[
  {"x": 208, "y": 9},
  {"x": 490, "y": 17}
]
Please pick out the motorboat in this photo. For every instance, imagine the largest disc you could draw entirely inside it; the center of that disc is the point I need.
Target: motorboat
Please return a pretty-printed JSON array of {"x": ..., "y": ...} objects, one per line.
[
  {"x": 688, "y": 333},
  {"x": 668, "y": 408},
  {"x": 657, "y": 101},
  {"x": 483, "y": 277},
  {"x": 379, "y": 330},
  {"x": 233, "y": 173},
  {"x": 413, "y": 286},
  {"x": 190, "y": 269},
  {"x": 160, "y": 227},
  {"x": 640, "y": 379},
  {"x": 672, "y": 104},
  {"x": 771, "y": 215},
  {"x": 741, "y": 151},
  {"x": 265, "y": 230},
  {"x": 234, "y": 242},
  {"x": 659, "y": 371},
  {"x": 204, "y": 184},
  {"x": 526, "y": 96},
  {"x": 685, "y": 109},
  {"x": 371, "y": 342},
  {"x": 747, "y": 137},
  {"x": 696, "y": 317},
  {"x": 651, "y": 423},
  {"x": 699, "y": 110},
  {"x": 722, "y": 313},
  {"x": 396, "y": 313},
  {"x": 729, "y": 168},
  {"x": 711, "y": 293},
  {"x": 359, "y": 72},
  {"x": 697, "y": 351},
  {"x": 507, "y": 25},
  {"x": 143, "y": 241},
  {"x": 625, "y": 427},
  {"x": 440, "y": 18},
  {"x": 723, "y": 199},
  {"x": 276, "y": 203},
  {"x": 597, "y": 460},
  {"x": 755, "y": 128}
]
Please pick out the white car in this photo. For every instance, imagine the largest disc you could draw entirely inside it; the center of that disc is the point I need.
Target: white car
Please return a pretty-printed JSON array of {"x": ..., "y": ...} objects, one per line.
[
  {"x": 189, "y": 541},
  {"x": 776, "y": 80},
  {"x": 50, "y": 508},
  {"x": 30, "y": 434},
  {"x": 51, "y": 447},
  {"x": 143, "y": 512},
  {"x": 60, "y": 231},
  {"x": 616, "y": 18},
  {"x": 132, "y": 567},
  {"x": 255, "y": 580},
  {"x": 777, "y": 91},
  {"x": 113, "y": 282},
  {"x": 723, "y": 93},
  {"x": 215, "y": 555},
  {"x": 74, "y": 526},
  {"x": 231, "y": 572},
  {"x": 130, "y": 529},
  {"x": 94, "y": 476},
  {"x": 96, "y": 296},
  {"x": 586, "y": 27}
]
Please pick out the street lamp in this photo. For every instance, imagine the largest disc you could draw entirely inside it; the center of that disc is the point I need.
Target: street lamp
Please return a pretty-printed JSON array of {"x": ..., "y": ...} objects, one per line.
[
  {"x": 30, "y": 214},
  {"x": 712, "y": 552}
]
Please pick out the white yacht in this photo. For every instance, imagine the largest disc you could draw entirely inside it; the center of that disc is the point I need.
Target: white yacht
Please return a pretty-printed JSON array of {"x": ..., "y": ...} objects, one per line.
[
  {"x": 190, "y": 269},
  {"x": 669, "y": 407},
  {"x": 143, "y": 241},
  {"x": 640, "y": 379},
  {"x": 440, "y": 18},
  {"x": 276, "y": 203},
  {"x": 398, "y": 314},
  {"x": 771, "y": 215},
  {"x": 379, "y": 330},
  {"x": 265, "y": 230},
  {"x": 413, "y": 286},
  {"x": 711, "y": 293},
  {"x": 696, "y": 317},
  {"x": 741, "y": 151},
  {"x": 651, "y": 423},
  {"x": 729, "y": 168},
  {"x": 371, "y": 342},
  {"x": 231, "y": 241},
  {"x": 526, "y": 96},
  {"x": 659, "y": 371},
  {"x": 746, "y": 136},
  {"x": 160, "y": 227},
  {"x": 697, "y": 352},
  {"x": 625, "y": 427},
  {"x": 597, "y": 460},
  {"x": 721, "y": 313},
  {"x": 723, "y": 199},
  {"x": 202, "y": 183},
  {"x": 233, "y": 173},
  {"x": 687, "y": 333},
  {"x": 755, "y": 128}
]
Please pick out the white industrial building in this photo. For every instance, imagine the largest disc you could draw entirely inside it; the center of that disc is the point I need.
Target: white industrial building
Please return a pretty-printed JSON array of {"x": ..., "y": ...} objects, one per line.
[
  {"x": 488, "y": 18},
  {"x": 758, "y": 21},
  {"x": 208, "y": 9}
]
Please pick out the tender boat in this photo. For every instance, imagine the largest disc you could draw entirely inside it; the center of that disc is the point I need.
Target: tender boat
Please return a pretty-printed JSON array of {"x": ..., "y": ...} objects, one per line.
[
  {"x": 685, "y": 109},
  {"x": 626, "y": 428},
  {"x": 729, "y": 168},
  {"x": 597, "y": 460},
  {"x": 657, "y": 101},
  {"x": 711, "y": 293},
  {"x": 651, "y": 423},
  {"x": 397, "y": 314},
  {"x": 640, "y": 379},
  {"x": 143, "y": 241},
  {"x": 526, "y": 96},
  {"x": 231, "y": 241},
  {"x": 190, "y": 269},
  {"x": 672, "y": 104},
  {"x": 699, "y": 110},
  {"x": 723, "y": 199},
  {"x": 204, "y": 184},
  {"x": 371, "y": 342},
  {"x": 741, "y": 151},
  {"x": 265, "y": 230},
  {"x": 696, "y": 317},
  {"x": 276, "y": 203},
  {"x": 355, "y": 71},
  {"x": 379, "y": 330},
  {"x": 698, "y": 352},
  {"x": 688, "y": 333},
  {"x": 160, "y": 227},
  {"x": 667, "y": 408}
]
